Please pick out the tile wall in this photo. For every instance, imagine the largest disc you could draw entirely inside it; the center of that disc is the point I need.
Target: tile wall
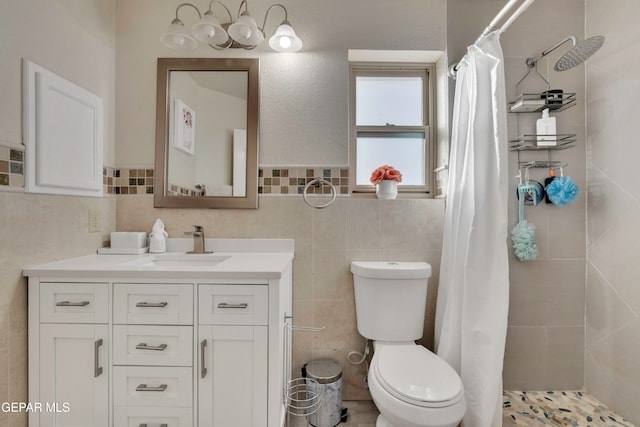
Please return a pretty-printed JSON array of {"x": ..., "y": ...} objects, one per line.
[
  {"x": 127, "y": 181},
  {"x": 35, "y": 229},
  {"x": 613, "y": 209},
  {"x": 326, "y": 241},
  {"x": 11, "y": 167},
  {"x": 292, "y": 180}
]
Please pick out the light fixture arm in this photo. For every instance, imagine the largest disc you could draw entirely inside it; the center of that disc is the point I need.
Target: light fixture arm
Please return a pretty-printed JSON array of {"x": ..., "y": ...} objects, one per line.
[
  {"x": 286, "y": 19},
  {"x": 187, "y": 4},
  {"x": 210, "y": 11},
  {"x": 246, "y": 7},
  {"x": 531, "y": 62}
]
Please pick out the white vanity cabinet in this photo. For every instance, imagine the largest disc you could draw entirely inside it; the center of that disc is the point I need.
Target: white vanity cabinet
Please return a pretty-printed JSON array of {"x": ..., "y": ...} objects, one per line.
[
  {"x": 115, "y": 342},
  {"x": 233, "y": 347},
  {"x": 153, "y": 354},
  {"x": 72, "y": 342}
]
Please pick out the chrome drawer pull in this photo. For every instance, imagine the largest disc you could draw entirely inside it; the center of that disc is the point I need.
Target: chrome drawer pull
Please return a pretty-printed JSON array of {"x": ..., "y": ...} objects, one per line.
[
  {"x": 145, "y": 425},
  {"x": 97, "y": 369},
  {"x": 144, "y": 346},
  {"x": 152, "y": 304},
  {"x": 203, "y": 368},
  {"x": 226, "y": 305},
  {"x": 144, "y": 387},
  {"x": 72, "y": 304}
]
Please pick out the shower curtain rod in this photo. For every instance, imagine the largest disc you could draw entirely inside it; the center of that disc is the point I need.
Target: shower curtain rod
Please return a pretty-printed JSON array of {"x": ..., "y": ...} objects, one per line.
[{"x": 493, "y": 25}]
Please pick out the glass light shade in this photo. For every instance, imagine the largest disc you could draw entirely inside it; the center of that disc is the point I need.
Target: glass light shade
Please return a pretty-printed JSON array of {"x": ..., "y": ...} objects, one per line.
[
  {"x": 245, "y": 31},
  {"x": 177, "y": 38},
  {"x": 285, "y": 39},
  {"x": 208, "y": 30}
]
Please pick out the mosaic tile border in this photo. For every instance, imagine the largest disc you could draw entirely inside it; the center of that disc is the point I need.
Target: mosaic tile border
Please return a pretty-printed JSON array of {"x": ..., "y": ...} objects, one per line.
[
  {"x": 123, "y": 181},
  {"x": 292, "y": 180},
  {"x": 127, "y": 181},
  {"x": 11, "y": 167},
  {"x": 285, "y": 180},
  {"x": 176, "y": 190}
]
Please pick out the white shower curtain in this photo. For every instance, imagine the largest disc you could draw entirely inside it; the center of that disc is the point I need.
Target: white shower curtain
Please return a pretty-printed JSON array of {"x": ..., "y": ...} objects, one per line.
[{"x": 473, "y": 294}]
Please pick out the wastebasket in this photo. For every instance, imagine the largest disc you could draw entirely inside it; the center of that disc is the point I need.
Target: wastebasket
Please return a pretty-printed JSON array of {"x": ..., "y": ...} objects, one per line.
[{"x": 328, "y": 373}]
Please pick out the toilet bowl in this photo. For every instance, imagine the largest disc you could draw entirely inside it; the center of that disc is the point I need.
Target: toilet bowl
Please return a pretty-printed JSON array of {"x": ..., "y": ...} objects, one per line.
[{"x": 410, "y": 385}]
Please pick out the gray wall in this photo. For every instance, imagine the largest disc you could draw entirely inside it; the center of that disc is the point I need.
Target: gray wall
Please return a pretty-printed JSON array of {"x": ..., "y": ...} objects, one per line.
[{"x": 613, "y": 272}]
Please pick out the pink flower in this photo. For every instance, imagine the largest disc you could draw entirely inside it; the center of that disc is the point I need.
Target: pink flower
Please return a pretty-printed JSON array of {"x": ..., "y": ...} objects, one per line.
[
  {"x": 393, "y": 175},
  {"x": 377, "y": 175},
  {"x": 385, "y": 172}
]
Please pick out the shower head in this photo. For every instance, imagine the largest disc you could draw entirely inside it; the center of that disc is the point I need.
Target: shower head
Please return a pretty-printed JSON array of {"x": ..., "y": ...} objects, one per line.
[
  {"x": 574, "y": 56},
  {"x": 579, "y": 53}
]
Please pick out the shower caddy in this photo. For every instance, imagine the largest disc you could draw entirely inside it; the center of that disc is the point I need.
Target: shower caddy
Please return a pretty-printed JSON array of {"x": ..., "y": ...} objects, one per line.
[{"x": 535, "y": 103}]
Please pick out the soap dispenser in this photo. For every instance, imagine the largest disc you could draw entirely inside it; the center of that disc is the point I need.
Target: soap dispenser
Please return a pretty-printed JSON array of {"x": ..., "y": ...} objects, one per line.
[{"x": 546, "y": 130}]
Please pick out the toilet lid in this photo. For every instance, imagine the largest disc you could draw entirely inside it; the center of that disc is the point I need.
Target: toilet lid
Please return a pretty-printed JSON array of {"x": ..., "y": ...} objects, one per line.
[{"x": 415, "y": 374}]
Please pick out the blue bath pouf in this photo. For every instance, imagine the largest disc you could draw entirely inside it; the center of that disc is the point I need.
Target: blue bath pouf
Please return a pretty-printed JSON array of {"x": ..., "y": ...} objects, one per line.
[
  {"x": 523, "y": 236},
  {"x": 562, "y": 191}
]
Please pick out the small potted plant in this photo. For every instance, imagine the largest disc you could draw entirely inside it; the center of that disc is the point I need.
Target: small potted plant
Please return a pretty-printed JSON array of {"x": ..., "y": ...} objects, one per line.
[{"x": 386, "y": 179}]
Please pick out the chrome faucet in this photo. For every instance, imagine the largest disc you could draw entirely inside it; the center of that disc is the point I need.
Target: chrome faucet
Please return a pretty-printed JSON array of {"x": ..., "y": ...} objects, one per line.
[{"x": 198, "y": 239}]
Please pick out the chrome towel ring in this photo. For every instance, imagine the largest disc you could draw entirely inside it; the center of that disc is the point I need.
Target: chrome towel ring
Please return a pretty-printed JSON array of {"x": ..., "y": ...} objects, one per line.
[{"x": 319, "y": 182}]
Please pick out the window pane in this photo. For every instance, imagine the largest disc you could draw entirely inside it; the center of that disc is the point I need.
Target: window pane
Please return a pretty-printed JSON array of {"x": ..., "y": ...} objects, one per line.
[
  {"x": 404, "y": 151},
  {"x": 382, "y": 100}
]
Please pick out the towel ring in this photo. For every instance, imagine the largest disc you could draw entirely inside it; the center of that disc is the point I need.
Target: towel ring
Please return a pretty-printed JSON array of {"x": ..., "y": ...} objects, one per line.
[{"x": 319, "y": 182}]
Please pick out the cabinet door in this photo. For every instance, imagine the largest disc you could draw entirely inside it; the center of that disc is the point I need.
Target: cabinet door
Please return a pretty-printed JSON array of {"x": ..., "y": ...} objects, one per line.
[
  {"x": 74, "y": 375},
  {"x": 232, "y": 371}
]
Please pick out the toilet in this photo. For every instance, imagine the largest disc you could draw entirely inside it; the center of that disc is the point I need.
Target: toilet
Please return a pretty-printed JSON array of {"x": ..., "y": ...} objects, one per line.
[{"x": 410, "y": 385}]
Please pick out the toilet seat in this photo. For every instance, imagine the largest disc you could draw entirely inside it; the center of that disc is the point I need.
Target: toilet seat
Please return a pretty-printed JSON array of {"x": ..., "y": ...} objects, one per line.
[{"x": 415, "y": 375}]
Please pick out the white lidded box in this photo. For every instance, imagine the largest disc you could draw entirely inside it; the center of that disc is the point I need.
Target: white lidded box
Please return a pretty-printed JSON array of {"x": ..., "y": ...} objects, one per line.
[{"x": 128, "y": 239}]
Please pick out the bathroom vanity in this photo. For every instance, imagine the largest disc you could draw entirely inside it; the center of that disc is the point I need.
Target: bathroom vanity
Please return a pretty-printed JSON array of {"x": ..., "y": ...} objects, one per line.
[{"x": 166, "y": 340}]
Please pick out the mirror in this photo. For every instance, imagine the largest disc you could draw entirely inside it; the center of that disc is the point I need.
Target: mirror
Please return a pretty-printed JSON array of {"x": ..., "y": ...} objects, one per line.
[{"x": 207, "y": 133}]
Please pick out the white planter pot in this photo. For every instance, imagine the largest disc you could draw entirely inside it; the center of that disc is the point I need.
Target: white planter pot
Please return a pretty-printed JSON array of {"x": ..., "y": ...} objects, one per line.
[{"x": 387, "y": 190}]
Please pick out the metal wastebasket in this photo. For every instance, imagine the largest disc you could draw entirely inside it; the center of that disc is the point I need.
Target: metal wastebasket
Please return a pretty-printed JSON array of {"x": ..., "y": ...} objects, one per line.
[{"x": 328, "y": 373}]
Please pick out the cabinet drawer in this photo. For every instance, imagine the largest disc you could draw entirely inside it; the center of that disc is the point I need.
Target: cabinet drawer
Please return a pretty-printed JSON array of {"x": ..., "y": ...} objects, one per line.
[
  {"x": 126, "y": 416},
  {"x": 152, "y": 345},
  {"x": 153, "y": 304},
  {"x": 152, "y": 386},
  {"x": 74, "y": 302},
  {"x": 233, "y": 304}
]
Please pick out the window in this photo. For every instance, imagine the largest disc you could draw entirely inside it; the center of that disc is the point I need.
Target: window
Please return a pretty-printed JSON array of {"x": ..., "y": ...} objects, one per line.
[{"x": 390, "y": 113}]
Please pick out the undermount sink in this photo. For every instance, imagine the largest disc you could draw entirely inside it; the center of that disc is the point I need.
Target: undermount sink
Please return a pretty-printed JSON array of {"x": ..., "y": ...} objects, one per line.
[{"x": 182, "y": 260}]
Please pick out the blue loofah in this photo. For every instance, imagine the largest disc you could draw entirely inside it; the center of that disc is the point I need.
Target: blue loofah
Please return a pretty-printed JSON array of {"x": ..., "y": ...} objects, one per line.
[
  {"x": 523, "y": 236},
  {"x": 562, "y": 191}
]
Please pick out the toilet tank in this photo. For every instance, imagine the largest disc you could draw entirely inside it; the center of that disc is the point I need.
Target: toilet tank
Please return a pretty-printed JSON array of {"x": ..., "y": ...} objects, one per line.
[{"x": 390, "y": 299}]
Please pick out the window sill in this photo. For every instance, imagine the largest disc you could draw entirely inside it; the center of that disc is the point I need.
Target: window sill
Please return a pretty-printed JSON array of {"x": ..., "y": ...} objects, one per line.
[{"x": 401, "y": 195}]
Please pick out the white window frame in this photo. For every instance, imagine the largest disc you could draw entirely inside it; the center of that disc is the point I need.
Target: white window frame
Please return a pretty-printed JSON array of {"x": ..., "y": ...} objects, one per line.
[{"x": 425, "y": 70}]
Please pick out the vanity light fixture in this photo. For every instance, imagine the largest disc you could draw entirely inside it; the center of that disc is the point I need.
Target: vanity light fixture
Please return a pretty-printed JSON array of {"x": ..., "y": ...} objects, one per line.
[{"x": 243, "y": 33}]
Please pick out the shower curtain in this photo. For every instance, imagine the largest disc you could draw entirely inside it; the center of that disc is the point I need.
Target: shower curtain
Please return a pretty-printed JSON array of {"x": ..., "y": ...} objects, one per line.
[{"x": 473, "y": 295}]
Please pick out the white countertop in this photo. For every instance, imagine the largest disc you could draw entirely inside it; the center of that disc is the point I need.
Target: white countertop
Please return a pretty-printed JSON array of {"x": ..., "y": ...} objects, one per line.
[{"x": 241, "y": 263}]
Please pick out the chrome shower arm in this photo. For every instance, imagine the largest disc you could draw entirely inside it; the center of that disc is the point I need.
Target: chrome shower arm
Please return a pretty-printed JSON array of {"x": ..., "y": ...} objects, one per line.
[{"x": 531, "y": 62}]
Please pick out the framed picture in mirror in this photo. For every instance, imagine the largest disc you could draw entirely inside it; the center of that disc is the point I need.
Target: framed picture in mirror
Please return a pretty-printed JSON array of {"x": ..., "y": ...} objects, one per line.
[{"x": 185, "y": 128}]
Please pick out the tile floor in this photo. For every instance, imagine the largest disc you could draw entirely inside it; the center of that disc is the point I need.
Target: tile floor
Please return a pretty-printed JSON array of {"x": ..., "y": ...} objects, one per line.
[
  {"x": 557, "y": 408},
  {"x": 530, "y": 409}
]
